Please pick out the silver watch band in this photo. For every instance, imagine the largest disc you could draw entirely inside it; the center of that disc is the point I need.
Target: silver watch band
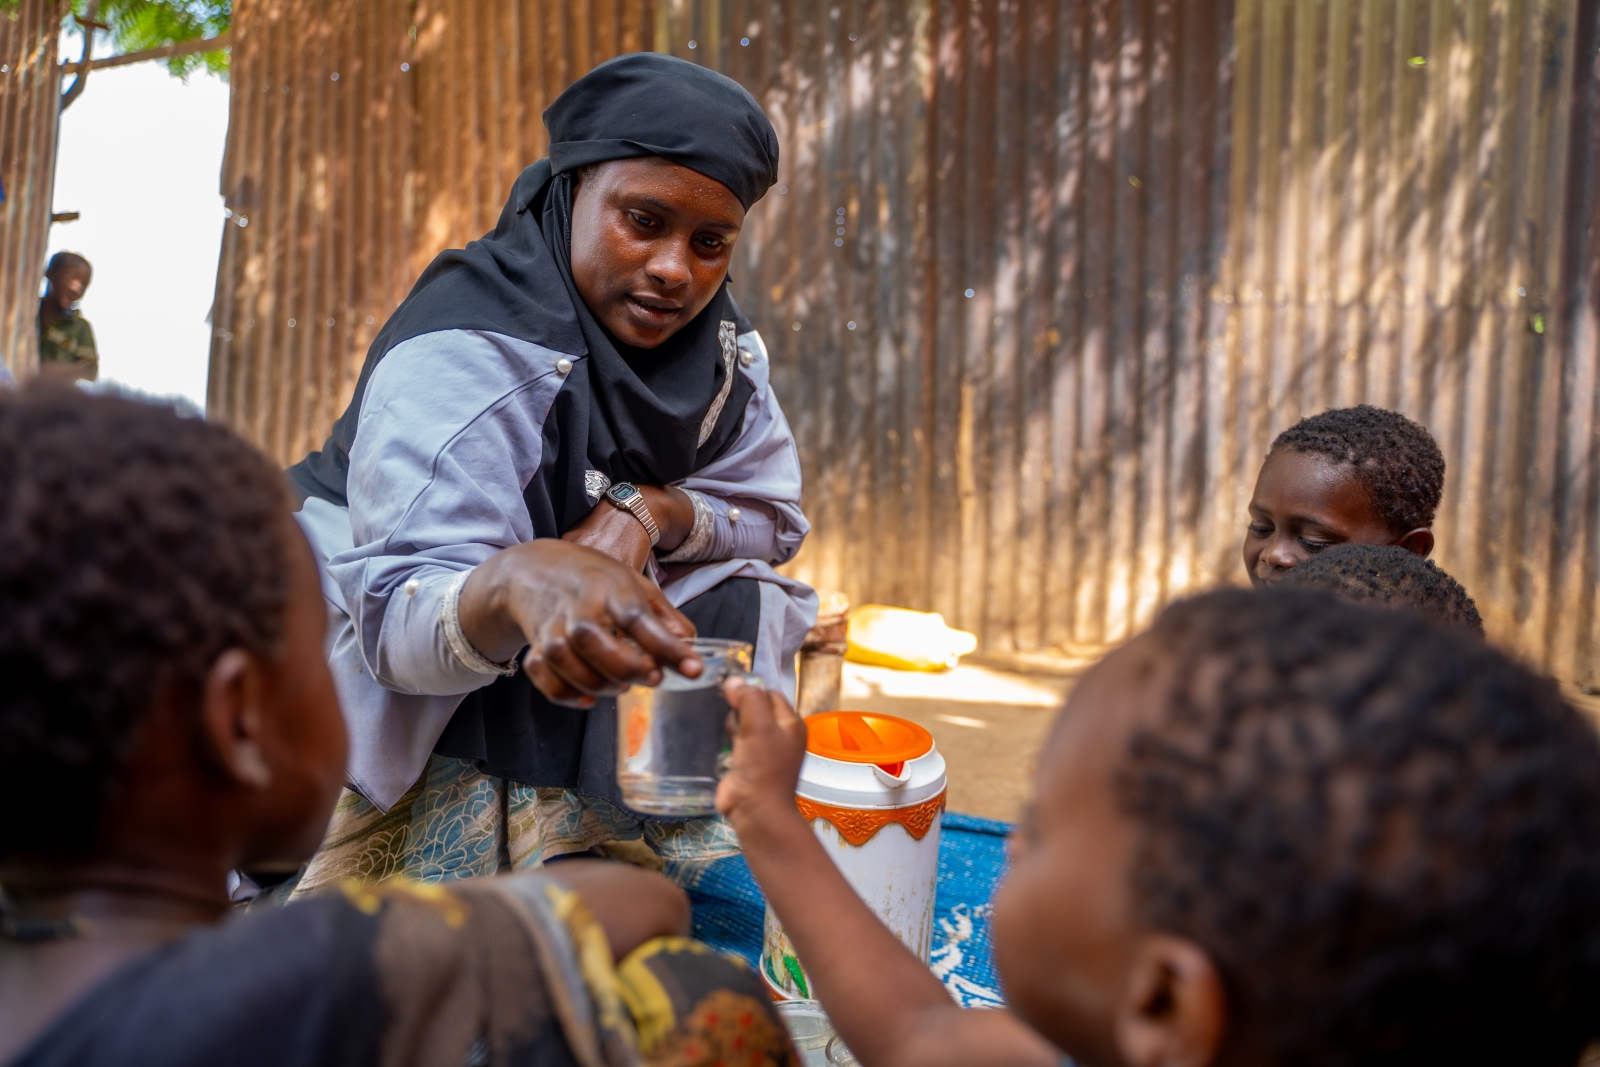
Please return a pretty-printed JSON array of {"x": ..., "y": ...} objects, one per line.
[{"x": 636, "y": 507}]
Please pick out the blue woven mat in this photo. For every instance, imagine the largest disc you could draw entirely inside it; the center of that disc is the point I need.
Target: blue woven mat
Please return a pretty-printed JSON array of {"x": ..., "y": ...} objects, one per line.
[{"x": 728, "y": 908}]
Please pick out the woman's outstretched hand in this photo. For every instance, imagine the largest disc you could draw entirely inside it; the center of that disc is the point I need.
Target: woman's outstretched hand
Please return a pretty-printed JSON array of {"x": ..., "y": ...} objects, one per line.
[{"x": 591, "y": 626}]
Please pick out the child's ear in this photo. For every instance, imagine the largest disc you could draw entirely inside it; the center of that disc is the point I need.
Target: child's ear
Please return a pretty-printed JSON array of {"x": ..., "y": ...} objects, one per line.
[
  {"x": 1174, "y": 1009},
  {"x": 232, "y": 718},
  {"x": 1418, "y": 541}
]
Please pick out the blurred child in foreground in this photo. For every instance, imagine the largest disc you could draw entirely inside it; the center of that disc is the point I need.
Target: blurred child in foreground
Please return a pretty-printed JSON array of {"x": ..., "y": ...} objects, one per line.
[
  {"x": 1275, "y": 829},
  {"x": 168, "y": 715}
]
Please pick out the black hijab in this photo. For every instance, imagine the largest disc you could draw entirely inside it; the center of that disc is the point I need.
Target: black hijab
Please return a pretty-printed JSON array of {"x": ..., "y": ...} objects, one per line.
[{"x": 639, "y": 413}]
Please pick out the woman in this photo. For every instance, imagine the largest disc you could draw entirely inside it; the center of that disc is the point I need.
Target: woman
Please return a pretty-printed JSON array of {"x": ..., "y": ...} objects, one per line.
[{"x": 581, "y": 372}]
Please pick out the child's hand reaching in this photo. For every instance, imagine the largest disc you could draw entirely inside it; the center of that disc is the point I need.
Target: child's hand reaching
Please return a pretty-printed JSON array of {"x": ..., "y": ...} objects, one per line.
[{"x": 769, "y": 742}]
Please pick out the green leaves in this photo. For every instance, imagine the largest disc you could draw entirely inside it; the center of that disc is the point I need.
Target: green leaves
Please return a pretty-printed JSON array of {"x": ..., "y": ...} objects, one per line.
[{"x": 140, "y": 24}]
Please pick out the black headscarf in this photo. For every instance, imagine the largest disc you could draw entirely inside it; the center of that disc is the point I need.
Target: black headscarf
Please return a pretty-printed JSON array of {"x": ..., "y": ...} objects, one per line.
[{"x": 639, "y": 412}]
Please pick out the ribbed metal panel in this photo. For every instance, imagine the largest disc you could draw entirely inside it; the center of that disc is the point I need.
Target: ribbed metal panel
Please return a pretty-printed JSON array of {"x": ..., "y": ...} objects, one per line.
[
  {"x": 1182, "y": 225},
  {"x": 30, "y": 87}
]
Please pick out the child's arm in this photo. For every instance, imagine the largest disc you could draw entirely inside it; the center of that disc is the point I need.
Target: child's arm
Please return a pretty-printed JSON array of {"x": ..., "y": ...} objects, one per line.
[{"x": 887, "y": 1006}]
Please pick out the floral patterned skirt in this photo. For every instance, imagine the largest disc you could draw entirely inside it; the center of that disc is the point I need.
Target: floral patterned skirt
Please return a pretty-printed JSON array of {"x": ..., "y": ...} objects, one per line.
[{"x": 458, "y": 822}]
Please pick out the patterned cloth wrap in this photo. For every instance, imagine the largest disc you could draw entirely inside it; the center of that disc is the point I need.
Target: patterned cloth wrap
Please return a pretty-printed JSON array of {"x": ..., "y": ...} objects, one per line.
[
  {"x": 458, "y": 822},
  {"x": 463, "y": 956}
]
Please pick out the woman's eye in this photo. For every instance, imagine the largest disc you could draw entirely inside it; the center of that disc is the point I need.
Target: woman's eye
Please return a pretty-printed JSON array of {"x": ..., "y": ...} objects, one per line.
[
  {"x": 1316, "y": 546},
  {"x": 1258, "y": 530},
  {"x": 711, "y": 244},
  {"x": 643, "y": 220}
]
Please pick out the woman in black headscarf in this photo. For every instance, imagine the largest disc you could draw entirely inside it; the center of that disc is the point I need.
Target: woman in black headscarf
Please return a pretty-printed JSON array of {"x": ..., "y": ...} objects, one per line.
[{"x": 582, "y": 372}]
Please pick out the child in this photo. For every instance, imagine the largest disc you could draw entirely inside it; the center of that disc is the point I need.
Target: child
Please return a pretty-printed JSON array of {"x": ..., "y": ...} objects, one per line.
[
  {"x": 1358, "y": 474},
  {"x": 1389, "y": 576},
  {"x": 167, "y": 715},
  {"x": 1275, "y": 829}
]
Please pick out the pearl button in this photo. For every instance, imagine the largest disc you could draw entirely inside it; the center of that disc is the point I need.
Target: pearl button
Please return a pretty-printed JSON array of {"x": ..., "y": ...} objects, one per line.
[
  {"x": 563, "y": 366},
  {"x": 734, "y": 514},
  {"x": 411, "y": 586},
  {"x": 746, "y": 358}
]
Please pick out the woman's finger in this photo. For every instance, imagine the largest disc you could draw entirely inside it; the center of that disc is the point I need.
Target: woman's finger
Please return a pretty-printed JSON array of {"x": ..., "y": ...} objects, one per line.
[
  {"x": 551, "y": 684},
  {"x": 565, "y": 659},
  {"x": 644, "y": 618},
  {"x": 614, "y": 661}
]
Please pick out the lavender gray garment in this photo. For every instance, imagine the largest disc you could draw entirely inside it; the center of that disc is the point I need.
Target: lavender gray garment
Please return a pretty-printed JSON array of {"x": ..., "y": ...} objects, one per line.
[{"x": 450, "y": 434}]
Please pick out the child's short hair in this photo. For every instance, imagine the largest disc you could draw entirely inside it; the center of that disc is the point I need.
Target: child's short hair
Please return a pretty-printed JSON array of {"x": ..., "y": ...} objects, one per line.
[
  {"x": 1389, "y": 576},
  {"x": 1397, "y": 460},
  {"x": 1386, "y": 833},
  {"x": 67, "y": 259},
  {"x": 135, "y": 547}
]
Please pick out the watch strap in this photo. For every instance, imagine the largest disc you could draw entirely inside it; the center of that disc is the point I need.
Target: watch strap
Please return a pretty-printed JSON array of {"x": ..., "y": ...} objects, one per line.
[{"x": 636, "y": 506}]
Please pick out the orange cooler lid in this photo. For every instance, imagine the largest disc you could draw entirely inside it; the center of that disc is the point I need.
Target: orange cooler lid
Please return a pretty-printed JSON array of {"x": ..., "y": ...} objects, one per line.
[{"x": 866, "y": 737}]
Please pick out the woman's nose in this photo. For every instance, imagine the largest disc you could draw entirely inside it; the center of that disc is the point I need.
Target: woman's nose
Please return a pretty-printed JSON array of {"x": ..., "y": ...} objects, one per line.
[{"x": 670, "y": 265}]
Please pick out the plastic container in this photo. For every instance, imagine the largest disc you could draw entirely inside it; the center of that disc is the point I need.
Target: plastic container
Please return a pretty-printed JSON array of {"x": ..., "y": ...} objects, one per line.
[{"x": 873, "y": 788}]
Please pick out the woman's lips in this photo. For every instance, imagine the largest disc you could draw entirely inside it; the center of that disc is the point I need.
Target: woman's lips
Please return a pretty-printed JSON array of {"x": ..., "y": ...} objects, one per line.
[{"x": 652, "y": 312}]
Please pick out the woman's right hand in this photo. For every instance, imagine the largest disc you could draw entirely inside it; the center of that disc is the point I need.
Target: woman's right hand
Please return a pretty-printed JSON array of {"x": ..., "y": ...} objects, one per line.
[{"x": 591, "y": 626}]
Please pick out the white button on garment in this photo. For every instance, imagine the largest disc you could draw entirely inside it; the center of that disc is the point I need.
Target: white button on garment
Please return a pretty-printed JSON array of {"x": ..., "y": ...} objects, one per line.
[
  {"x": 734, "y": 514},
  {"x": 563, "y": 365},
  {"x": 746, "y": 358},
  {"x": 411, "y": 586}
]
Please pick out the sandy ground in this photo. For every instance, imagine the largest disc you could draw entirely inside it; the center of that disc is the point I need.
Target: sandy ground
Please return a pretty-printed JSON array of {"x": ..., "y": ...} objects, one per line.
[{"x": 989, "y": 724}]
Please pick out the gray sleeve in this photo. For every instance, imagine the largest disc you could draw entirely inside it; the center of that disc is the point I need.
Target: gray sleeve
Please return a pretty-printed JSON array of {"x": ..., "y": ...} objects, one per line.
[{"x": 450, "y": 433}]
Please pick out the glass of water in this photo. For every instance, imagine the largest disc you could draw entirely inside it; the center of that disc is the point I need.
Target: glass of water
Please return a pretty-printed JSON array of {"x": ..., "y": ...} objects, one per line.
[{"x": 672, "y": 738}]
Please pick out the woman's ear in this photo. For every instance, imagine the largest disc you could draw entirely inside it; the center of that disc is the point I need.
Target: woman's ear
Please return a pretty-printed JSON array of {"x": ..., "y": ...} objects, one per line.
[
  {"x": 1418, "y": 541},
  {"x": 232, "y": 719},
  {"x": 1174, "y": 1009}
]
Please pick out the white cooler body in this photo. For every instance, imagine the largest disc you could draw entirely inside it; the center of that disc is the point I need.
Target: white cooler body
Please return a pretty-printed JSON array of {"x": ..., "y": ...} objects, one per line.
[{"x": 894, "y": 871}]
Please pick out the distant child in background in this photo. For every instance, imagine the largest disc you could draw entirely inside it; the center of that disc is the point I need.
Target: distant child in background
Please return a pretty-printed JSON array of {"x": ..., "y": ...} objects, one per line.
[
  {"x": 1360, "y": 474},
  {"x": 1390, "y": 577},
  {"x": 1276, "y": 829},
  {"x": 66, "y": 340}
]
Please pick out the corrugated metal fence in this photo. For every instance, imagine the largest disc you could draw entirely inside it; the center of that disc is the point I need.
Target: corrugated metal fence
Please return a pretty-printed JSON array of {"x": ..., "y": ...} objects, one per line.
[
  {"x": 30, "y": 86},
  {"x": 1041, "y": 280}
]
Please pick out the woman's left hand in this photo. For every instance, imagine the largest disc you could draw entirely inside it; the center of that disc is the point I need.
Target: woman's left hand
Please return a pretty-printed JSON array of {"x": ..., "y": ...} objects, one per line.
[{"x": 609, "y": 529}]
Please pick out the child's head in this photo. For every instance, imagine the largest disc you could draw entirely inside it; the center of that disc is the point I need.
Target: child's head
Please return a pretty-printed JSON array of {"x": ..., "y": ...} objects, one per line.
[
  {"x": 1358, "y": 474},
  {"x": 1390, "y": 577},
  {"x": 161, "y": 630},
  {"x": 1282, "y": 829}
]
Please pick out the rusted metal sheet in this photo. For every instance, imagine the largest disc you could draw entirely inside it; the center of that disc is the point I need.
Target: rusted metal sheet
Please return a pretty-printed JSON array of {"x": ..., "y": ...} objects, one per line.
[
  {"x": 1399, "y": 183},
  {"x": 1041, "y": 279},
  {"x": 29, "y": 90}
]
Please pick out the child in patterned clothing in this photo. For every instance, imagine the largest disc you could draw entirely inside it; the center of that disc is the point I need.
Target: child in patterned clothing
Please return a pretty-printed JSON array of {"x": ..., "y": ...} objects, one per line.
[{"x": 168, "y": 716}]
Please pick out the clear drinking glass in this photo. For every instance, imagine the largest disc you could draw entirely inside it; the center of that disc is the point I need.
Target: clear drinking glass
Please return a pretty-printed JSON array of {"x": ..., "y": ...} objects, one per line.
[{"x": 672, "y": 738}]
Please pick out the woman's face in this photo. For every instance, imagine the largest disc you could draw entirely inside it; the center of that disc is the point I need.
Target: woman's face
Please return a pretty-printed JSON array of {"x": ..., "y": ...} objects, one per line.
[{"x": 651, "y": 240}]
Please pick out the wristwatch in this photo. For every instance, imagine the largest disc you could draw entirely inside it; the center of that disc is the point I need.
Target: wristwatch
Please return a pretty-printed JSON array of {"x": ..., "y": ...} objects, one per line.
[{"x": 626, "y": 496}]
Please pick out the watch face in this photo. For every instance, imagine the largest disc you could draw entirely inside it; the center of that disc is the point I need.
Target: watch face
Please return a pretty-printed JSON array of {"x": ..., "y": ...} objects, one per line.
[{"x": 623, "y": 492}]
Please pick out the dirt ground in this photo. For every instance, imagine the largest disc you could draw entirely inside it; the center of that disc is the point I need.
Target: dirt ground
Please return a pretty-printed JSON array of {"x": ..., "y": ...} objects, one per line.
[{"x": 989, "y": 724}]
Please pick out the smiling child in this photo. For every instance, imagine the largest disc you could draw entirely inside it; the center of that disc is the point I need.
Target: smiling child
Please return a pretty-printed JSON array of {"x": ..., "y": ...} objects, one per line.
[{"x": 1360, "y": 474}]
